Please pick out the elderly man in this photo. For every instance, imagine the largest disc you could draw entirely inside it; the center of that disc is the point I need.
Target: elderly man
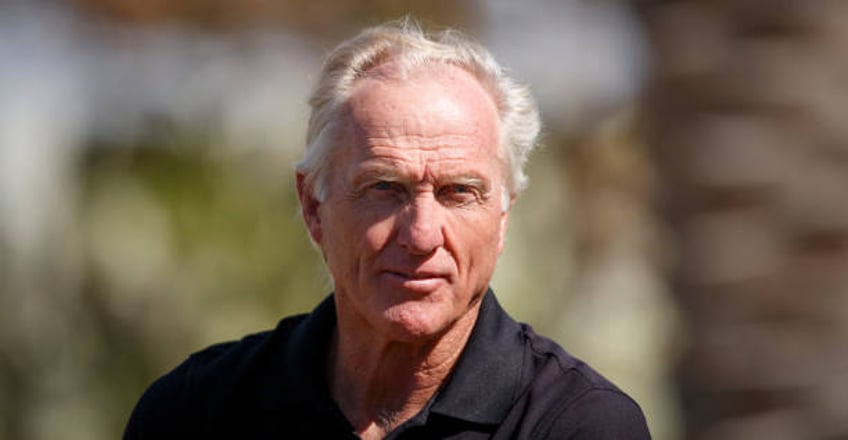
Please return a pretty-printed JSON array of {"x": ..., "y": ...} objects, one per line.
[{"x": 414, "y": 156}]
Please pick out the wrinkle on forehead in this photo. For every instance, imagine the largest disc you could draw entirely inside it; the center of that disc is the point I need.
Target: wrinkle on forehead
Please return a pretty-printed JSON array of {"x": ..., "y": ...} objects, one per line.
[
  {"x": 466, "y": 103},
  {"x": 425, "y": 161},
  {"x": 437, "y": 120}
]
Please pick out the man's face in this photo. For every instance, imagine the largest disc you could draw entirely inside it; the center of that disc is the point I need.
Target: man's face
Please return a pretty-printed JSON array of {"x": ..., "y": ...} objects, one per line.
[{"x": 413, "y": 222}]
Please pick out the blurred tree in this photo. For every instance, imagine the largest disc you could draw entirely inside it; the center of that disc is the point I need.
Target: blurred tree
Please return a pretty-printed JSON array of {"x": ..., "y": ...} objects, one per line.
[
  {"x": 322, "y": 19},
  {"x": 184, "y": 246},
  {"x": 747, "y": 107}
]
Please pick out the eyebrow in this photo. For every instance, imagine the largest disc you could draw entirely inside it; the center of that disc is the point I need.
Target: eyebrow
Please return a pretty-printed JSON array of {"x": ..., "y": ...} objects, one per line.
[
  {"x": 469, "y": 180},
  {"x": 373, "y": 173},
  {"x": 388, "y": 173}
]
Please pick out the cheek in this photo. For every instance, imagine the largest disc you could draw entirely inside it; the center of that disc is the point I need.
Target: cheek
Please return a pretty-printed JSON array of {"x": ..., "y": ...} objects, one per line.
[
  {"x": 479, "y": 239},
  {"x": 359, "y": 233},
  {"x": 378, "y": 233}
]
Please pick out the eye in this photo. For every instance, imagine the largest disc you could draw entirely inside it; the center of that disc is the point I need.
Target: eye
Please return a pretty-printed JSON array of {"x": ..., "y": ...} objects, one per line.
[
  {"x": 384, "y": 186},
  {"x": 458, "y": 194},
  {"x": 385, "y": 190}
]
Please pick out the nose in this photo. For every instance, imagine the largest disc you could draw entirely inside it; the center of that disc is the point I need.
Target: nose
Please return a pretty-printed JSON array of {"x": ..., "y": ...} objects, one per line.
[{"x": 420, "y": 225}]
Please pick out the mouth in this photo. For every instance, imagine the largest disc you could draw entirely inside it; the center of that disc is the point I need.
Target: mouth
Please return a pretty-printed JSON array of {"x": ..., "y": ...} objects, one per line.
[
  {"x": 416, "y": 281},
  {"x": 414, "y": 275}
]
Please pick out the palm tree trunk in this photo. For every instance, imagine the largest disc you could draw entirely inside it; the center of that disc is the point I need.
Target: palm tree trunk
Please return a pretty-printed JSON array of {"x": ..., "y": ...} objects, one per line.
[{"x": 748, "y": 108}]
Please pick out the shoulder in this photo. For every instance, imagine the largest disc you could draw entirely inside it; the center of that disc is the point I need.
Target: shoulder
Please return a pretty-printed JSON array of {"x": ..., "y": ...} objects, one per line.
[
  {"x": 566, "y": 398},
  {"x": 181, "y": 400},
  {"x": 599, "y": 413}
]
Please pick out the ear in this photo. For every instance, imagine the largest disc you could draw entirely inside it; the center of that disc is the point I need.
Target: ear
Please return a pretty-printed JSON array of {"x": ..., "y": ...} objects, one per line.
[
  {"x": 309, "y": 206},
  {"x": 502, "y": 232}
]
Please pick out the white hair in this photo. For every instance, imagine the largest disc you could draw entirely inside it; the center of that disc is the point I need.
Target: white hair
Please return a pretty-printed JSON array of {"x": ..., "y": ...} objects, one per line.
[{"x": 404, "y": 42}]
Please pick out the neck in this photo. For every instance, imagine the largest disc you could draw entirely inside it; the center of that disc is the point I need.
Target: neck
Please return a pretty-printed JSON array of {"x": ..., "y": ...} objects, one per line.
[{"x": 379, "y": 383}]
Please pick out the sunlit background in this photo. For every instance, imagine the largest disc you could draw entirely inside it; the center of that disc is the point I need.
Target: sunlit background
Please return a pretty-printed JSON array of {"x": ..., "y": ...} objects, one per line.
[{"x": 685, "y": 229}]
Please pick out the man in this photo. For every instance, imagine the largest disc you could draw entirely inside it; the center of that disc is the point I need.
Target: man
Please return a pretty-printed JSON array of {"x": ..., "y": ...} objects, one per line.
[{"x": 415, "y": 150}]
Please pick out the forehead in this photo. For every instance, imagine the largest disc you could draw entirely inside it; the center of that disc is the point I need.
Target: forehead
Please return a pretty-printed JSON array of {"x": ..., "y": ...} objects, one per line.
[
  {"x": 436, "y": 88},
  {"x": 426, "y": 107}
]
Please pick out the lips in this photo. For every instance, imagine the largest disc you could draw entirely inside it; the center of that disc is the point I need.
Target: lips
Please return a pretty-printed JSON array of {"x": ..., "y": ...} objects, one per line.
[
  {"x": 415, "y": 275},
  {"x": 418, "y": 281}
]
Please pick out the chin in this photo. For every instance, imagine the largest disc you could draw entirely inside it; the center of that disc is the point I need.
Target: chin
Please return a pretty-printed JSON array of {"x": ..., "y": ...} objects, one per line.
[{"x": 414, "y": 323}]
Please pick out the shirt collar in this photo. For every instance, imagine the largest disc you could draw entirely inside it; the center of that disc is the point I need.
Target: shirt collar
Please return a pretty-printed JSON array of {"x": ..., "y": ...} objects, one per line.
[
  {"x": 484, "y": 382},
  {"x": 304, "y": 359},
  {"x": 489, "y": 366}
]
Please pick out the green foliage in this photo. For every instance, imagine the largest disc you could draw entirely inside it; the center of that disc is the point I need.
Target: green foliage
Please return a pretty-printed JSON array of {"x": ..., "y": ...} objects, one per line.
[{"x": 184, "y": 248}]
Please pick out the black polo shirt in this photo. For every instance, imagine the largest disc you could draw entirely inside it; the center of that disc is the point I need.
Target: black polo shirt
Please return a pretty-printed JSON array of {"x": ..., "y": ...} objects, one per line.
[{"x": 508, "y": 383}]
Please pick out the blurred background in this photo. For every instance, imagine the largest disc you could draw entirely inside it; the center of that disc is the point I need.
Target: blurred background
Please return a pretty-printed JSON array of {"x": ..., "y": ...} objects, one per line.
[{"x": 685, "y": 230}]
